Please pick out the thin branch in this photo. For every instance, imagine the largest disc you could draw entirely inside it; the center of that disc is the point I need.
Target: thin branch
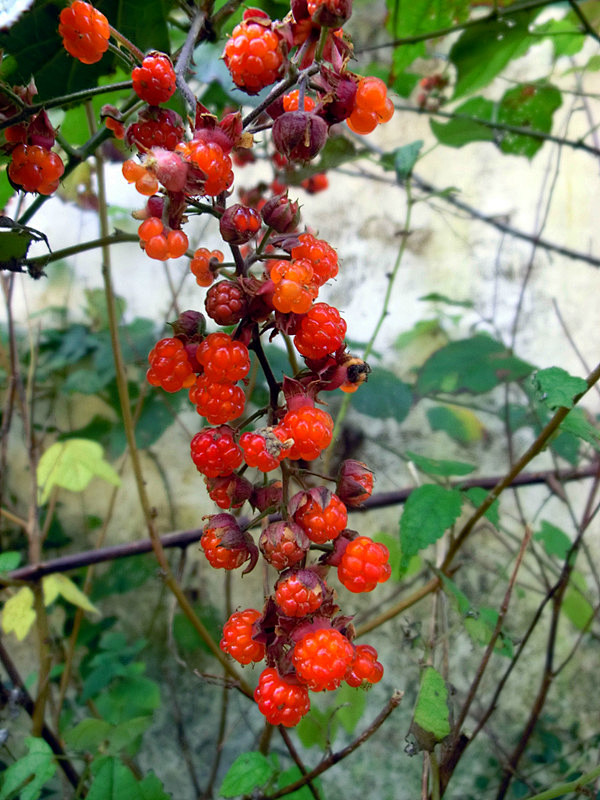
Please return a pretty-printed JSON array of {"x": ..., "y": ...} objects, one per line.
[{"x": 587, "y": 27}]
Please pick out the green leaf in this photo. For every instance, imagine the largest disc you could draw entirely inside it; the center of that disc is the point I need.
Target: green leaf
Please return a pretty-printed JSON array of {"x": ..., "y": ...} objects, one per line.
[
  {"x": 85, "y": 381},
  {"x": 428, "y": 513},
  {"x": 402, "y": 160},
  {"x": 151, "y": 788},
  {"x": 290, "y": 776},
  {"x": 6, "y": 190},
  {"x": 317, "y": 728},
  {"x": 461, "y": 424},
  {"x": 395, "y": 560},
  {"x": 482, "y": 51},
  {"x": 555, "y": 541},
  {"x": 15, "y": 240},
  {"x": 576, "y": 606},
  {"x": 72, "y": 465},
  {"x": 351, "y": 706},
  {"x": 458, "y": 598},
  {"x": 128, "y": 698},
  {"x": 88, "y": 735},
  {"x": 460, "y": 131},
  {"x": 426, "y": 329},
  {"x": 474, "y": 365},
  {"x": 187, "y": 637},
  {"x": 384, "y": 396},
  {"x": 18, "y": 614},
  {"x": 476, "y": 495},
  {"x": 480, "y": 627},
  {"x": 556, "y": 388},
  {"x": 30, "y": 773},
  {"x": 576, "y": 423},
  {"x": 249, "y": 771},
  {"x": 58, "y": 583},
  {"x": 431, "y": 719},
  {"x": 565, "y": 34},
  {"x": 112, "y": 781},
  {"x": 128, "y": 734},
  {"x": 435, "y": 466},
  {"x": 528, "y": 105},
  {"x": 436, "y": 297},
  {"x": 9, "y": 560}
]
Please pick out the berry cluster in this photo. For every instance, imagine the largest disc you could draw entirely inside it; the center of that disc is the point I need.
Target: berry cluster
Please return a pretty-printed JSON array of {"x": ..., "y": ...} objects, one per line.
[{"x": 268, "y": 288}]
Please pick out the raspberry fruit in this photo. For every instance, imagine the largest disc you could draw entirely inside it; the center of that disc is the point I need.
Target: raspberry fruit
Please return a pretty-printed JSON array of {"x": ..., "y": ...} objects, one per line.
[
  {"x": 264, "y": 449},
  {"x": 371, "y": 106},
  {"x": 145, "y": 182},
  {"x": 322, "y": 658},
  {"x": 35, "y": 169},
  {"x": 293, "y": 286},
  {"x": 239, "y": 224},
  {"x": 217, "y": 402},
  {"x": 321, "y": 255},
  {"x": 237, "y": 638},
  {"x": 226, "y": 303},
  {"x": 225, "y": 545},
  {"x": 364, "y": 666},
  {"x": 155, "y": 127},
  {"x": 85, "y": 32},
  {"x": 154, "y": 82},
  {"x": 299, "y": 593},
  {"x": 201, "y": 265},
  {"x": 311, "y": 429},
  {"x": 320, "y": 514},
  {"x": 283, "y": 544},
  {"x": 159, "y": 243},
  {"x": 281, "y": 701},
  {"x": 291, "y": 102},
  {"x": 364, "y": 564},
  {"x": 229, "y": 491},
  {"x": 214, "y": 452},
  {"x": 321, "y": 332},
  {"x": 214, "y": 165},
  {"x": 169, "y": 366},
  {"x": 253, "y": 55},
  {"x": 225, "y": 360}
]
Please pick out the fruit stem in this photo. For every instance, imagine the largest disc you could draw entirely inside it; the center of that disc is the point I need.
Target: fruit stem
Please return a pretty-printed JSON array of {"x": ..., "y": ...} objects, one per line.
[
  {"x": 184, "y": 57},
  {"x": 128, "y": 45}
]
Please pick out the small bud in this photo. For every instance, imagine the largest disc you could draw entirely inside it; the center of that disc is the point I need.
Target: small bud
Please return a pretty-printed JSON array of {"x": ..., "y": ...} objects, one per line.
[
  {"x": 239, "y": 224},
  {"x": 299, "y": 135},
  {"x": 355, "y": 482},
  {"x": 281, "y": 213},
  {"x": 229, "y": 491},
  {"x": 330, "y": 13},
  {"x": 189, "y": 325},
  {"x": 341, "y": 102}
]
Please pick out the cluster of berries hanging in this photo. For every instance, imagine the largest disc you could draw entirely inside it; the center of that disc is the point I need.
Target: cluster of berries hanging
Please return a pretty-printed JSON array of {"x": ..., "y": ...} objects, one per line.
[{"x": 269, "y": 288}]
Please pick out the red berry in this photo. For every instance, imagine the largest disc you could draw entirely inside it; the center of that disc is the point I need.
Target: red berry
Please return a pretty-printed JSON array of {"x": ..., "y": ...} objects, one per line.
[
  {"x": 320, "y": 514},
  {"x": 226, "y": 303},
  {"x": 322, "y": 658},
  {"x": 225, "y": 360},
  {"x": 281, "y": 701},
  {"x": 294, "y": 290},
  {"x": 321, "y": 255},
  {"x": 283, "y": 544},
  {"x": 225, "y": 545},
  {"x": 154, "y": 82},
  {"x": 253, "y": 55},
  {"x": 201, "y": 265},
  {"x": 217, "y": 402},
  {"x": 229, "y": 491},
  {"x": 214, "y": 166},
  {"x": 315, "y": 183},
  {"x": 85, "y": 32},
  {"x": 299, "y": 593},
  {"x": 311, "y": 429},
  {"x": 364, "y": 564},
  {"x": 321, "y": 332},
  {"x": 291, "y": 102},
  {"x": 170, "y": 366},
  {"x": 237, "y": 637},
  {"x": 364, "y": 666},
  {"x": 214, "y": 451},
  {"x": 264, "y": 449},
  {"x": 35, "y": 169},
  {"x": 155, "y": 127}
]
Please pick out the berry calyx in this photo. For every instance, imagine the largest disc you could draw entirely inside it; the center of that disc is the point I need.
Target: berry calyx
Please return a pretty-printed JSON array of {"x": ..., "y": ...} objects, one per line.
[
  {"x": 281, "y": 701},
  {"x": 239, "y": 224},
  {"x": 283, "y": 544},
  {"x": 225, "y": 545},
  {"x": 237, "y": 638},
  {"x": 321, "y": 659},
  {"x": 355, "y": 482},
  {"x": 320, "y": 513},
  {"x": 364, "y": 564},
  {"x": 154, "y": 82},
  {"x": 214, "y": 452},
  {"x": 85, "y": 32}
]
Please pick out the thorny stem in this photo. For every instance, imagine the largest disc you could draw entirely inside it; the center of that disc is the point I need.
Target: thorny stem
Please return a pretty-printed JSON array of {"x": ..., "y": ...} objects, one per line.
[
  {"x": 185, "y": 56},
  {"x": 575, "y": 787}
]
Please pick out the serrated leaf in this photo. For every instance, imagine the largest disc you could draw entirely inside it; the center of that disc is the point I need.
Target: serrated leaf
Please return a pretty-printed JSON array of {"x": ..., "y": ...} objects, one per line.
[
  {"x": 556, "y": 388},
  {"x": 402, "y": 160},
  {"x": 30, "y": 773},
  {"x": 555, "y": 541},
  {"x": 476, "y": 495},
  {"x": 475, "y": 365},
  {"x": 249, "y": 771},
  {"x": 58, "y": 583},
  {"x": 431, "y": 719},
  {"x": 9, "y": 560},
  {"x": 113, "y": 781},
  {"x": 129, "y": 697},
  {"x": 18, "y": 614},
  {"x": 461, "y": 424},
  {"x": 482, "y": 51},
  {"x": 437, "y": 466},
  {"x": 87, "y": 735},
  {"x": 72, "y": 465},
  {"x": 127, "y": 733},
  {"x": 151, "y": 788},
  {"x": 575, "y": 604},
  {"x": 576, "y": 423},
  {"x": 464, "y": 128},
  {"x": 384, "y": 396},
  {"x": 528, "y": 105},
  {"x": 428, "y": 513}
]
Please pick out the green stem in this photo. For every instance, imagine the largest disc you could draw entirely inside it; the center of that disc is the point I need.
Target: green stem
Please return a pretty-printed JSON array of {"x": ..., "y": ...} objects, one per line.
[
  {"x": 127, "y": 44},
  {"x": 569, "y": 787},
  {"x": 112, "y": 238},
  {"x": 434, "y": 772}
]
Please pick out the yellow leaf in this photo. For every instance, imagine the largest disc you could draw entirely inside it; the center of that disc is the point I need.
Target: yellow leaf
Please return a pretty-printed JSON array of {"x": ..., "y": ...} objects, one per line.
[
  {"x": 18, "y": 614},
  {"x": 54, "y": 585},
  {"x": 72, "y": 465}
]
